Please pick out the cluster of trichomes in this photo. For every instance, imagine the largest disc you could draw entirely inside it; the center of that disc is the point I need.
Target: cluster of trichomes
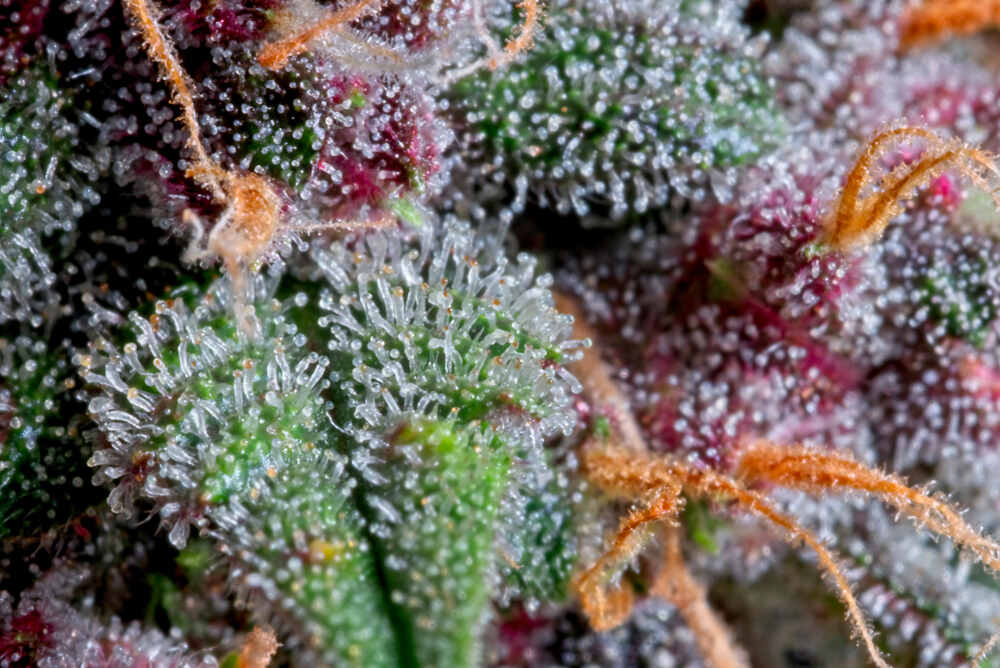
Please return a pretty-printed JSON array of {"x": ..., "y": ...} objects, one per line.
[{"x": 480, "y": 332}]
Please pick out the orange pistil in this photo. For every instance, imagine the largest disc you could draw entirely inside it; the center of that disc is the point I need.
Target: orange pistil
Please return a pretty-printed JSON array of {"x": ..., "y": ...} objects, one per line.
[
  {"x": 677, "y": 585},
  {"x": 143, "y": 14},
  {"x": 605, "y": 598},
  {"x": 614, "y": 469},
  {"x": 626, "y": 473},
  {"x": 258, "y": 648},
  {"x": 251, "y": 218},
  {"x": 859, "y": 218},
  {"x": 247, "y": 227},
  {"x": 275, "y": 55},
  {"x": 934, "y": 20},
  {"x": 496, "y": 56},
  {"x": 609, "y": 606},
  {"x": 524, "y": 38},
  {"x": 811, "y": 470}
]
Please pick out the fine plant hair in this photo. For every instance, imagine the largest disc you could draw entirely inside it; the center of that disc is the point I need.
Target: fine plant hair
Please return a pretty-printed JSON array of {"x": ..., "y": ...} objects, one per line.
[
  {"x": 625, "y": 472},
  {"x": 296, "y": 35},
  {"x": 145, "y": 18},
  {"x": 286, "y": 377},
  {"x": 606, "y": 603},
  {"x": 811, "y": 470},
  {"x": 497, "y": 57},
  {"x": 628, "y": 472},
  {"x": 609, "y": 606},
  {"x": 870, "y": 198},
  {"x": 275, "y": 56},
  {"x": 252, "y": 219},
  {"x": 935, "y": 20},
  {"x": 624, "y": 469}
]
